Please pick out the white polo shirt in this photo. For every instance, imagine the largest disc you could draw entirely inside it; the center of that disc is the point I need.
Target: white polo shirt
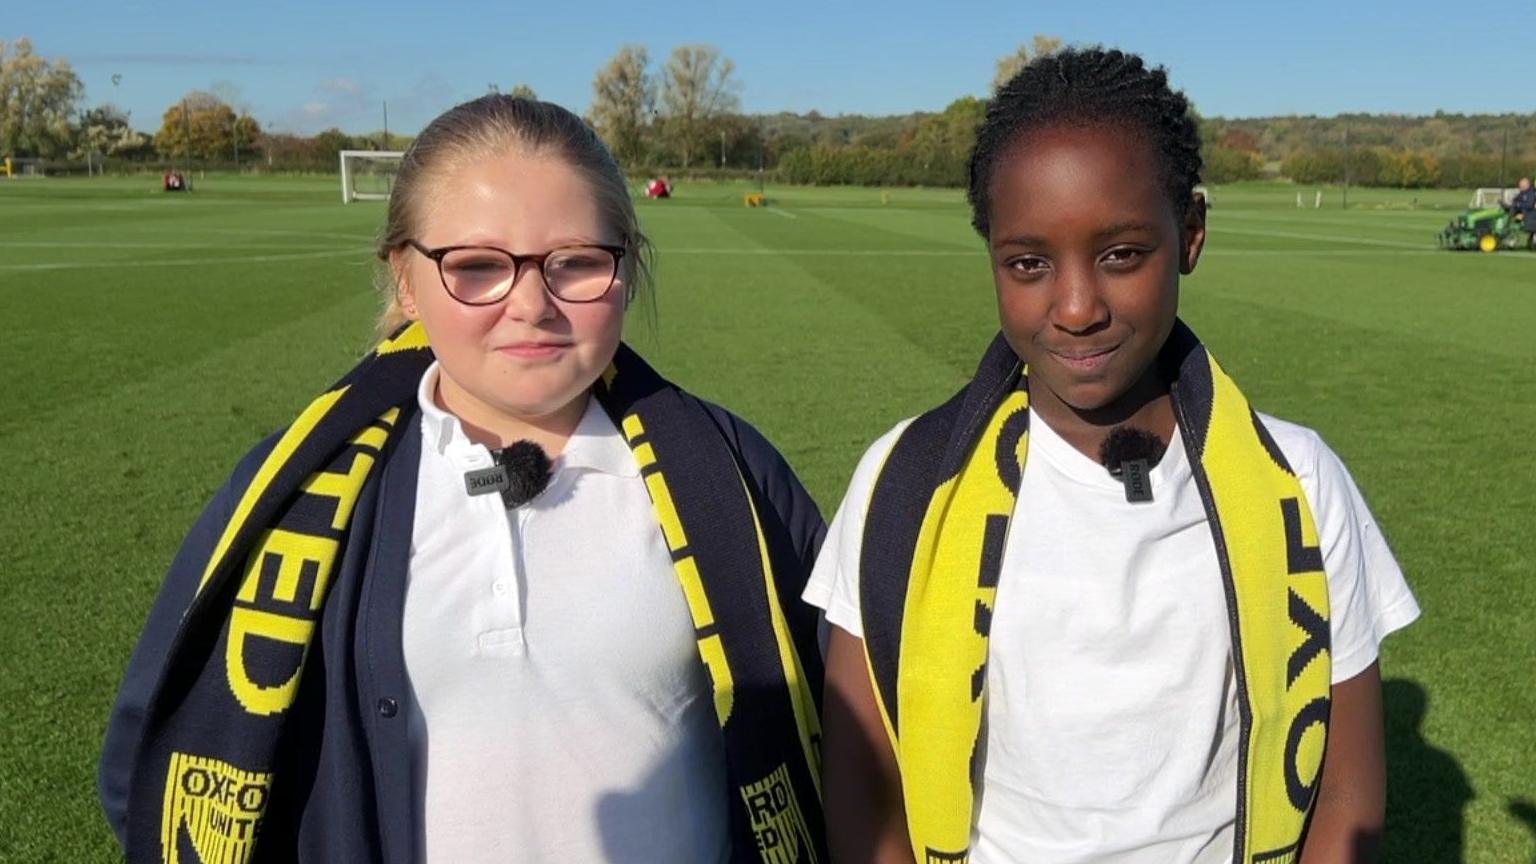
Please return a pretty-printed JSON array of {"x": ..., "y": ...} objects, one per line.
[
  {"x": 558, "y": 708},
  {"x": 1111, "y": 718}
]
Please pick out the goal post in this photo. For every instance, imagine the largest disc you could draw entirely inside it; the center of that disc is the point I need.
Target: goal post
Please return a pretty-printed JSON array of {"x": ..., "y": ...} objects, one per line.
[
  {"x": 1493, "y": 196},
  {"x": 368, "y": 175}
]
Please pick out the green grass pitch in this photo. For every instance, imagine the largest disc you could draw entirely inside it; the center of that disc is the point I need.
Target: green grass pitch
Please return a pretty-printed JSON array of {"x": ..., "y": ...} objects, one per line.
[{"x": 152, "y": 338}]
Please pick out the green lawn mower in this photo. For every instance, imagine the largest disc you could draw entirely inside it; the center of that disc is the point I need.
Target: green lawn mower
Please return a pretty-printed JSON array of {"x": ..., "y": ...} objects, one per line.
[{"x": 1487, "y": 228}]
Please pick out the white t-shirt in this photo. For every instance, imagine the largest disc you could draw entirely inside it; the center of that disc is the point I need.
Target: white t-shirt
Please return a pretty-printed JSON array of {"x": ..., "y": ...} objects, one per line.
[
  {"x": 559, "y": 710},
  {"x": 1112, "y": 724}
]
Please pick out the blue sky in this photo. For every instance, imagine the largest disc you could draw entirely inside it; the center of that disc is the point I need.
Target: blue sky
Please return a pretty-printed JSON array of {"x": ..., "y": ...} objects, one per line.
[{"x": 304, "y": 66}]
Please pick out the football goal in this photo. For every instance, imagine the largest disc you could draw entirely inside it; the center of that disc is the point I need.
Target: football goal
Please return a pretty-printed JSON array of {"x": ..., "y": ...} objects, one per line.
[
  {"x": 368, "y": 175},
  {"x": 1492, "y": 197}
]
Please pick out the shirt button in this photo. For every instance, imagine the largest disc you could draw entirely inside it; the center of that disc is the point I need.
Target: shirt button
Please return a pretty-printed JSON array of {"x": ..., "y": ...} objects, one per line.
[
  {"x": 500, "y": 587},
  {"x": 388, "y": 708}
]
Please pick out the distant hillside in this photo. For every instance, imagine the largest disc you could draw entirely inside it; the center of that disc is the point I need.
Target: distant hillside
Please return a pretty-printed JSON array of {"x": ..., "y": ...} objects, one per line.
[{"x": 1444, "y": 135}]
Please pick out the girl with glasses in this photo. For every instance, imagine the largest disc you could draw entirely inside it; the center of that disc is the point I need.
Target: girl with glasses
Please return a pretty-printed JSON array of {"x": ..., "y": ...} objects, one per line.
[{"x": 502, "y": 593}]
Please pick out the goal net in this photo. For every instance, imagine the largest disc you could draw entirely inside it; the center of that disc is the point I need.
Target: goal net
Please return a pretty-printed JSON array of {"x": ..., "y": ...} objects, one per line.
[
  {"x": 368, "y": 175},
  {"x": 1492, "y": 197}
]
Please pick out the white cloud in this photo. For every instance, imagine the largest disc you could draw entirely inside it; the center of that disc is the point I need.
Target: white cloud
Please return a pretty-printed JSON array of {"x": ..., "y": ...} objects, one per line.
[{"x": 339, "y": 102}]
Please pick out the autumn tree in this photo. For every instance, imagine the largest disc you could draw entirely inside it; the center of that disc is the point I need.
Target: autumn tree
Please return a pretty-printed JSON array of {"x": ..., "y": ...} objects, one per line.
[
  {"x": 1009, "y": 65},
  {"x": 623, "y": 97},
  {"x": 199, "y": 126},
  {"x": 1239, "y": 139}
]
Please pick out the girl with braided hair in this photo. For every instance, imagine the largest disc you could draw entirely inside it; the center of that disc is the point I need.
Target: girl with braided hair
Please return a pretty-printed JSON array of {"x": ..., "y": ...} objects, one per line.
[{"x": 1096, "y": 608}]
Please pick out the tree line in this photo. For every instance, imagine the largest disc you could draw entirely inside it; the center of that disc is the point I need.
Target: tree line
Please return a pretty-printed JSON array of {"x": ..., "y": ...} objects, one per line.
[
  {"x": 40, "y": 118},
  {"x": 684, "y": 115}
]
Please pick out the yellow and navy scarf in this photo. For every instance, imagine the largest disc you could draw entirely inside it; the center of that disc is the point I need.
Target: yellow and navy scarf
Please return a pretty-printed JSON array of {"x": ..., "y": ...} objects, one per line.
[
  {"x": 215, "y": 733},
  {"x": 933, "y": 546}
]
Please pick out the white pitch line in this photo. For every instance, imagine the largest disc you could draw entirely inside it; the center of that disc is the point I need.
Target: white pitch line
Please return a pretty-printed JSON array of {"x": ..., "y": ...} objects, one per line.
[
  {"x": 1354, "y": 253},
  {"x": 184, "y": 262},
  {"x": 663, "y": 251},
  {"x": 781, "y": 212},
  {"x": 978, "y": 253},
  {"x": 746, "y": 252},
  {"x": 1217, "y": 231},
  {"x": 148, "y": 244},
  {"x": 241, "y": 232}
]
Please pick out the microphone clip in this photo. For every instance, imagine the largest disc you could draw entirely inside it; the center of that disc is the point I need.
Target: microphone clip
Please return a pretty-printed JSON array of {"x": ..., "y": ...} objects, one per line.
[
  {"x": 1129, "y": 454},
  {"x": 521, "y": 473},
  {"x": 1136, "y": 475}
]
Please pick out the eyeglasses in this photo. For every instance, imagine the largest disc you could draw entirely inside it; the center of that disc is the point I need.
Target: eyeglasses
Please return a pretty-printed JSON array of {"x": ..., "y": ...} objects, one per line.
[{"x": 482, "y": 275}]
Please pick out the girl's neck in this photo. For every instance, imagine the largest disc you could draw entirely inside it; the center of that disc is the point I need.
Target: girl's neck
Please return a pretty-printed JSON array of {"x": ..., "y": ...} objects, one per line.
[
  {"x": 494, "y": 428},
  {"x": 1146, "y": 405}
]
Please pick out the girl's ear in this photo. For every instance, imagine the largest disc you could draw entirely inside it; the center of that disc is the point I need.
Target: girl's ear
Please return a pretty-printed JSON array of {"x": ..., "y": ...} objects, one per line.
[
  {"x": 1193, "y": 235},
  {"x": 405, "y": 294}
]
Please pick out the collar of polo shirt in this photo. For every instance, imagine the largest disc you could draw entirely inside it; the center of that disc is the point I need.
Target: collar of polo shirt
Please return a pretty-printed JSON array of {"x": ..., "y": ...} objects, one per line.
[{"x": 595, "y": 445}]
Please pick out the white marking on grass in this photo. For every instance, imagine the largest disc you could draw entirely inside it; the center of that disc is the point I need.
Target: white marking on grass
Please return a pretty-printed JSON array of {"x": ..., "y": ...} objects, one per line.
[
  {"x": 865, "y": 253},
  {"x": 174, "y": 229},
  {"x": 184, "y": 262},
  {"x": 779, "y": 211},
  {"x": 1218, "y": 230},
  {"x": 977, "y": 253},
  {"x": 749, "y": 252},
  {"x": 664, "y": 251},
  {"x": 1348, "y": 253},
  {"x": 147, "y": 244}
]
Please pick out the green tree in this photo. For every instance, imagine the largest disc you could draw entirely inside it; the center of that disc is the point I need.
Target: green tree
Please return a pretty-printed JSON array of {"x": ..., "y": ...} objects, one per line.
[
  {"x": 328, "y": 144},
  {"x": 696, "y": 87},
  {"x": 37, "y": 102},
  {"x": 940, "y": 144},
  {"x": 623, "y": 97},
  {"x": 104, "y": 131},
  {"x": 522, "y": 91},
  {"x": 1409, "y": 169},
  {"x": 1010, "y": 64},
  {"x": 248, "y": 137},
  {"x": 737, "y": 141},
  {"x": 1229, "y": 164}
]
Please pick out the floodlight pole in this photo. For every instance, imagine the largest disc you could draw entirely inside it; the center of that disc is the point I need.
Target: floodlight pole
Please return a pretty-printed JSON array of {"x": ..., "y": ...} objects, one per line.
[
  {"x": 386, "y": 124},
  {"x": 1345, "y": 205},
  {"x": 762, "y": 156},
  {"x": 1504, "y": 156},
  {"x": 186, "y": 127}
]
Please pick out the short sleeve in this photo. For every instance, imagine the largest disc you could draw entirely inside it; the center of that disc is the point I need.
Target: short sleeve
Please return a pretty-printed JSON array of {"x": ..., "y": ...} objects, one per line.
[
  {"x": 1368, "y": 596},
  {"x": 834, "y": 583}
]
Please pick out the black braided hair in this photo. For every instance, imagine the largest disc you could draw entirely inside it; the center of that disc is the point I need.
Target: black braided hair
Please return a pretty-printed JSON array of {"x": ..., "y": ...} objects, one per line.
[{"x": 1088, "y": 87}]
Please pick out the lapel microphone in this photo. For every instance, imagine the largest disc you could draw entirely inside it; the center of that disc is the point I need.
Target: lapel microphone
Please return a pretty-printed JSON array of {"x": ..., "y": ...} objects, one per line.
[
  {"x": 520, "y": 474},
  {"x": 1129, "y": 454}
]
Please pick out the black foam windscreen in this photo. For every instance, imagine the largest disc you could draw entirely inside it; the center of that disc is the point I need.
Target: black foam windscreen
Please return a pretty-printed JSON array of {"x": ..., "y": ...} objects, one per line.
[
  {"x": 528, "y": 471},
  {"x": 1129, "y": 453},
  {"x": 1128, "y": 443}
]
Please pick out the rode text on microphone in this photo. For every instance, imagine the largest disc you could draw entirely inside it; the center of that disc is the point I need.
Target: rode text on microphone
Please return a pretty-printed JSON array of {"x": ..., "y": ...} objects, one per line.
[
  {"x": 1129, "y": 454},
  {"x": 520, "y": 474}
]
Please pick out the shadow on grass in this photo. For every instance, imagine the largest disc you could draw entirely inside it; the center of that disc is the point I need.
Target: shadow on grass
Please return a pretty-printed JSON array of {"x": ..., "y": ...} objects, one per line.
[
  {"x": 1427, "y": 790},
  {"x": 1524, "y": 811}
]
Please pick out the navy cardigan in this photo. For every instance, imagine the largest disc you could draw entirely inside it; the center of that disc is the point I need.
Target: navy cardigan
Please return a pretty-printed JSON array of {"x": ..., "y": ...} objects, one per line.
[{"x": 344, "y": 786}]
